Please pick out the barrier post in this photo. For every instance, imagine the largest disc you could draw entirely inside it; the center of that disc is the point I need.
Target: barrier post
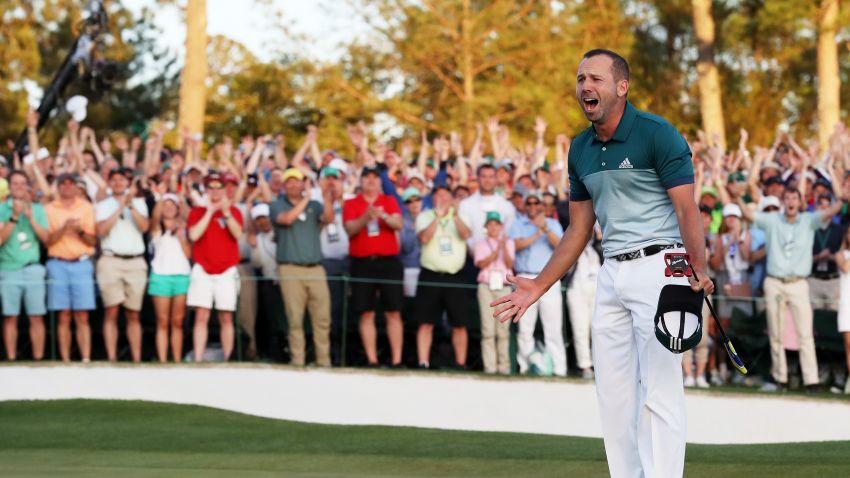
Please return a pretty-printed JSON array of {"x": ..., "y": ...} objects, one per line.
[
  {"x": 52, "y": 315},
  {"x": 344, "y": 318},
  {"x": 237, "y": 324}
]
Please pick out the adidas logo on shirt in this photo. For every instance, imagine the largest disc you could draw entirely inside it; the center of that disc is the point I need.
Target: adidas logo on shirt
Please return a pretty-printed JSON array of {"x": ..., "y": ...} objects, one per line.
[{"x": 626, "y": 164}]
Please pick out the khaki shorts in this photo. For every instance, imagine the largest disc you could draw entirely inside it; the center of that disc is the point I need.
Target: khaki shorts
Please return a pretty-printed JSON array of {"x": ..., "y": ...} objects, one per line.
[{"x": 122, "y": 281}]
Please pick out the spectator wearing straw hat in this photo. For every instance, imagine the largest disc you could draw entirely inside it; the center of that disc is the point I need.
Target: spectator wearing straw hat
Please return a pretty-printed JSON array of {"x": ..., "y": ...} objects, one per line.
[
  {"x": 23, "y": 228},
  {"x": 298, "y": 221},
  {"x": 494, "y": 256},
  {"x": 442, "y": 233},
  {"x": 214, "y": 281},
  {"x": 122, "y": 272},
  {"x": 70, "y": 246}
]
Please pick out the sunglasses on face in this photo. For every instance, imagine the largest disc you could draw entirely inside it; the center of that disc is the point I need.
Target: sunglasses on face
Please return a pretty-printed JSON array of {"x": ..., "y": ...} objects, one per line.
[
  {"x": 532, "y": 203},
  {"x": 412, "y": 200}
]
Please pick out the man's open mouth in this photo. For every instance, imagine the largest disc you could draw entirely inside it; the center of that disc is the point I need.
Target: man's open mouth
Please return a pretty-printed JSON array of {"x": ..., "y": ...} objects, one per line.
[{"x": 590, "y": 104}]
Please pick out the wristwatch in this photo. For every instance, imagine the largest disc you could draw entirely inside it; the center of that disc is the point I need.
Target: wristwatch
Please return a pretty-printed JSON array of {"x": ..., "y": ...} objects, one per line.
[{"x": 13, "y": 219}]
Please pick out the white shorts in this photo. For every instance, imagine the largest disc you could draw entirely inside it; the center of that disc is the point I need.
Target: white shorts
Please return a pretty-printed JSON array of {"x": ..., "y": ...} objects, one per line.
[{"x": 209, "y": 291}]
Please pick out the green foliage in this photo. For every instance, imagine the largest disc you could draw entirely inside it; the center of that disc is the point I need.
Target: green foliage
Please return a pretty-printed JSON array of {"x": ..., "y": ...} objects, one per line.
[{"x": 36, "y": 41}]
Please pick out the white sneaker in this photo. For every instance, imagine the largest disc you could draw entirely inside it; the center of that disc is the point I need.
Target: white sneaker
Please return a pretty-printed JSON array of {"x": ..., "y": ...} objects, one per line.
[
  {"x": 690, "y": 382},
  {"x": 587, "y": 374},
  {"x": 702, "y": 382},
  {"x": 771, "y": 387},
  {"x": 847, "y": 386},
  {"x": 716, "y": 378}
]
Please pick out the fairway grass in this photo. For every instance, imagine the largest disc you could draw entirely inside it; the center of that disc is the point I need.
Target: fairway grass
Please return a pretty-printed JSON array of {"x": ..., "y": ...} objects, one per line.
[{"x": 87, "y": 438}]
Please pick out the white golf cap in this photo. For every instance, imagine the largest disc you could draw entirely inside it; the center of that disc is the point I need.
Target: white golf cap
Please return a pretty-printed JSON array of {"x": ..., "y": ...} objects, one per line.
[
  {"x": 768, "y": 201},
  {"x": 339, "y": 164},
  {"x": 171, "y": 197},
  {"x": 42, "y": 153},
  {"x": 260, "y": 210},
  {"x": 732, "y": 210},
  {"x": 76, "y": 107}
]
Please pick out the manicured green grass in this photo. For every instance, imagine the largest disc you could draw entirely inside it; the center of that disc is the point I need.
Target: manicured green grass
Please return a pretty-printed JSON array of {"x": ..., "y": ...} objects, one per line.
[{"x": 84, "y": 438}]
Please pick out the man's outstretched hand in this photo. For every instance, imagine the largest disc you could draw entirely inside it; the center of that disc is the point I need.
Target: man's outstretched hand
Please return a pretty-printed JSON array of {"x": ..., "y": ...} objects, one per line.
[{"x": 526, "y": 292}]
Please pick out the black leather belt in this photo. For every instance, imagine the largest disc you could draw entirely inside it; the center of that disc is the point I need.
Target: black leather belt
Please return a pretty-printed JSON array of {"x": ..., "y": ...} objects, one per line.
[
  {"x": 645, "y": 252},
  {"x": 312, "y": 264},
  {"x": 826, "y": 276},
  {"x": 122, "y": 256}
]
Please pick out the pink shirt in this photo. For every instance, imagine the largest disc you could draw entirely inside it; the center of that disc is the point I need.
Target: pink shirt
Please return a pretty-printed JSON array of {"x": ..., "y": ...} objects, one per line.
[{"x": 483, "y": 249}]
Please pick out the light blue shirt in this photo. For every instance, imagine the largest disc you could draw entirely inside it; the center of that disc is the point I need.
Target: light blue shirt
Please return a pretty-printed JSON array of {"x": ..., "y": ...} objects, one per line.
[
  {"x": 532, "y": 259},
  {"x": 789, "y": 245}
]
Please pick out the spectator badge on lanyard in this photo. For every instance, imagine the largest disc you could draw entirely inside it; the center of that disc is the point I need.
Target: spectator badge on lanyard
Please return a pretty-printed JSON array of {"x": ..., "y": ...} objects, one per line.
[
  {"x": 373, "y": 228},
  {"x": 22, "y": 240},
  {"x": 445, "y": 245},
  {"x": 333, "y": 233}
]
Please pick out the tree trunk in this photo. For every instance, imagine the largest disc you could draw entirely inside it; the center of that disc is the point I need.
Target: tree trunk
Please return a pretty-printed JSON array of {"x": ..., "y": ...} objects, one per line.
[
  {"x": 467, "y": 71},
  {"x": 193, "y": 79},
  {"x": 711, "y": 107},
  {"x": 829, "y": 86}
]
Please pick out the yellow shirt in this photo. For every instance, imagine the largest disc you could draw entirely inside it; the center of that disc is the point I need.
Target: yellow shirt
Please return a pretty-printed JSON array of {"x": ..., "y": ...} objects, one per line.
[
  {"x": 446, "y": 251},
  {"x": 70, "y": 246}
]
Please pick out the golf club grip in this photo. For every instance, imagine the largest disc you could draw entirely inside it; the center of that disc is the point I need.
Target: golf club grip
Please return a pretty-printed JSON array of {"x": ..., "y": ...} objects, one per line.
[{"x": 711, "y": 309}]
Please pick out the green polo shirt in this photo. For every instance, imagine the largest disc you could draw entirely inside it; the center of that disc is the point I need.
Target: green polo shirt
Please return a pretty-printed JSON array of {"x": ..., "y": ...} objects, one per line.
[
  {"x": 299, "y": 242},
  {"x": 789, "y": 244},
  {"x": 627, "y": 178},
  {"x": 22, "y": 246}
]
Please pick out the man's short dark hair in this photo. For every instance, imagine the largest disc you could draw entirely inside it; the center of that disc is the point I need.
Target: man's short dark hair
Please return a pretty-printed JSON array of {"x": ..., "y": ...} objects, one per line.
[
  {"x": 620, "y": 66},
  {"x": 18, "y": 172},
  {"x": 483, "y": 167},
  {"x": 793, "y": 191}
]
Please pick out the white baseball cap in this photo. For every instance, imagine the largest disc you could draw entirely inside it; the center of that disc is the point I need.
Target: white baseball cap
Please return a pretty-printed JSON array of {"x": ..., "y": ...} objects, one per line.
[
  {"x": 732, "y": 210},
  {"x": 768, "y": 201},
  {"x": 260, "y": 210},
  {"x": 339, "y": 164}
]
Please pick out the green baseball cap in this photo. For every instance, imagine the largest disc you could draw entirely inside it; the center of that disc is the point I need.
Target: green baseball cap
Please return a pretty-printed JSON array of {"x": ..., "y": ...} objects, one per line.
[
  {"x": 409, "y": 193},
  {"x": 493, "y": 216},
  {"x": 710, "y": 190},
  {"x": 737, "y": 177}
]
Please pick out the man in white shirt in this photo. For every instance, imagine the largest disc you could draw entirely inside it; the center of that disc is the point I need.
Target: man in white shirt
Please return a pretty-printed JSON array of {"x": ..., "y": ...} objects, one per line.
[
  {"x": 121, "y": 270},
  {"x": 476, "y": 207}
]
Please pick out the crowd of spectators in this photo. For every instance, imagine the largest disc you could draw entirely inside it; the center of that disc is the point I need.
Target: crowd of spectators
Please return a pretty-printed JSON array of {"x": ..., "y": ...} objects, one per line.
[{"x": 110, "y": 220}]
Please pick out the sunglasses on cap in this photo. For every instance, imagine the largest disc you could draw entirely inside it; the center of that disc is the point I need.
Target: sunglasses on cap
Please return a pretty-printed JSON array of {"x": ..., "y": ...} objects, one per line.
[
  {"x": 413, "y": 199},
  {"x": 215, "y": 185}
]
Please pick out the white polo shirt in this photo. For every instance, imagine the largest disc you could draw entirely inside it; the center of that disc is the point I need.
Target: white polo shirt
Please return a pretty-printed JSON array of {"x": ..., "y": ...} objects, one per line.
[{"x": 124, "y": 238}]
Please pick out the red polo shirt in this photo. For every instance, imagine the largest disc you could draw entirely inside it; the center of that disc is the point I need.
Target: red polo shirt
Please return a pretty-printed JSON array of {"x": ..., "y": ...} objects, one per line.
[
  {"x": 217, "y": 249},
  {"x": 385, "y": 243}
]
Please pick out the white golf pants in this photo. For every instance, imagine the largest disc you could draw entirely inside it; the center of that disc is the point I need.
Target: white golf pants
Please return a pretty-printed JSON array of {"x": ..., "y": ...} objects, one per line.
[
  {"x": 638, "y": 382},
  {"x": 580, "y": 302},
  {"x": 551, "y": 309}
]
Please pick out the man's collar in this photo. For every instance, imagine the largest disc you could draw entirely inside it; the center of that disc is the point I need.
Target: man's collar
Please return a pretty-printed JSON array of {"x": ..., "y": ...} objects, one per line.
[{"x": 625, "y": 125}]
